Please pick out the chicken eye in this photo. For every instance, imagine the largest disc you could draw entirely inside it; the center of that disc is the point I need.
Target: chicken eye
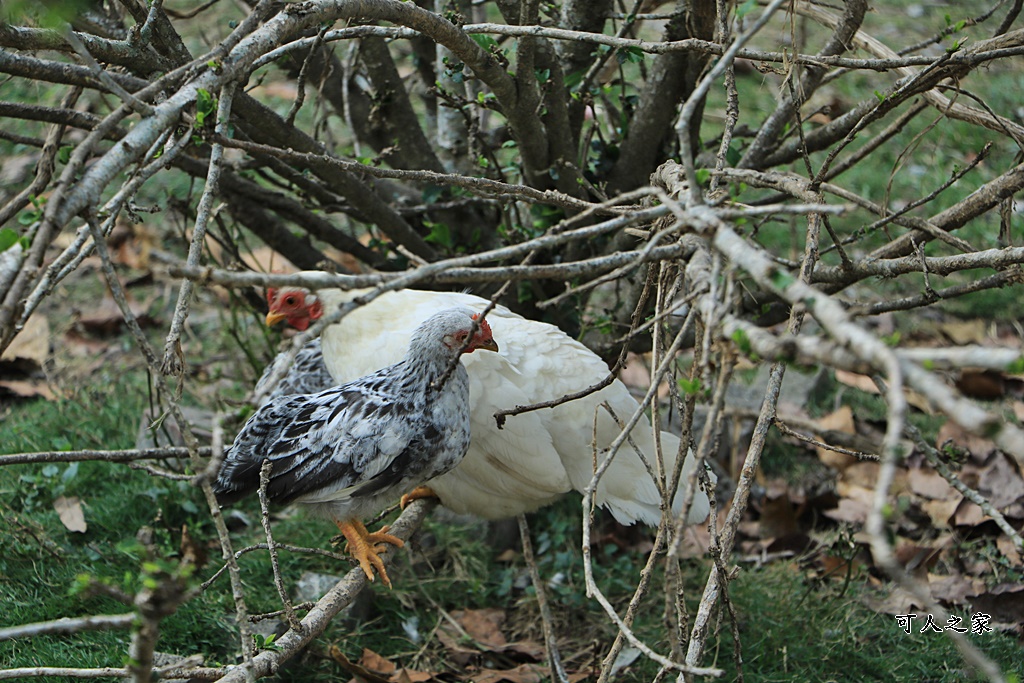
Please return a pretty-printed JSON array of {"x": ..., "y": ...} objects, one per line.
[{"x": 289, "y": 300}]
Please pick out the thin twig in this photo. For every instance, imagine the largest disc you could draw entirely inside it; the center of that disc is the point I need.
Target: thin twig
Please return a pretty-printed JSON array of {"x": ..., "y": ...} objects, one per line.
[
  {"x": 173, "y": 360},
  {"x": 782, "y": 427},
  {"x": 272, "y": 545},
  {"x": 68, "y": 625},
  {"x": 547, "y": 623},
  {"x": 128, "y": 455}
]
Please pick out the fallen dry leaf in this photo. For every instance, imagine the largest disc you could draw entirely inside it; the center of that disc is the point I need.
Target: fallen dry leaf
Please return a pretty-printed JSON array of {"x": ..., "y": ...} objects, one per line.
[
  {"x": 778, "y": 516},
  {"x": 635, "y": 372},
  {"x": 831, "y": 565},
  {"x": 525, "y": 649},
  {"x": 863, "y": 494},
  {"x": 969, "y": 514},
  {"x": 131, "y": 244},
  {"x": 940, "y": 511},
  {"x": 81, "y": 345},
  {"x": 27, "y": 388},
  {"x": 914, "y": 557},
  {"x": 71, "y": 515},
  {"x": 524, "y": 673},
  {"x": 891, "y": 600},
  {"x": 963, "y": 332},
  {"x": 863, "y": 474},
  {"x": 1009, "y": 550},
  {"x": 697, "y": 538},
  {"x": 954, "y": 588},
  {"x": 31, "y": 346},
  {"x": 849, "y": 510},
  {"x": 375, "y": 662},
  {"x": 838, "y": 421},
  {"x": 457, "y": 652},
  {"x": 1000, "y": 483},
  {"x": 358, "y": 670},
  {"x": 930, "y": 484},
  {"x": 483, "y": 625},
  {"x": 1015, "y": 511},
  {"x": 857, "y": 381}
]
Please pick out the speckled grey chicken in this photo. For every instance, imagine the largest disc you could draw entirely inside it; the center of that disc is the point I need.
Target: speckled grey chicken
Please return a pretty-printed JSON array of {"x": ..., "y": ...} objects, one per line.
[{"x": 349, "y": 451}]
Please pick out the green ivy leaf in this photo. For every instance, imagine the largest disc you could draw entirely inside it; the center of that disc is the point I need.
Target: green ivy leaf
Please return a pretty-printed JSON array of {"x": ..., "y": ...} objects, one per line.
[
  {"x": 633, "y": 55},
  {"x": 484, "y": 41},
  {"x": 732, "y": 155},
  {"x": 439, "y": 234},
  {"x": 892, "y": 339},
  {"x": 8, "y": 238},
  {"x": 689, "y": 387},
  {"x": 1016, "y": 367},
  {"x": 206, "y": 106},
  {"x": 742, "y": 341}
]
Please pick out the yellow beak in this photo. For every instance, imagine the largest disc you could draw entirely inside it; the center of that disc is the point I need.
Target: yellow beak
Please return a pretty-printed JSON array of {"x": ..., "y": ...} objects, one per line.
[
  {"x": 489, "y": 345},
  {"x": 274, "y": 318}
]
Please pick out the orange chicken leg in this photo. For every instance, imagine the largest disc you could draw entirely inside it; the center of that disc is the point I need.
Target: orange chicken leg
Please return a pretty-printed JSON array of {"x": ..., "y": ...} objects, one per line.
[
  {"x": 416, "y": 494},
  {"x": 366, "y": 547}
]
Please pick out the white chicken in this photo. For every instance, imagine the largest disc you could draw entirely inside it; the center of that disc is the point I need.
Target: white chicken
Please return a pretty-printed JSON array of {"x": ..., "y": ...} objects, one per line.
[{"x": 538, "y": 456}]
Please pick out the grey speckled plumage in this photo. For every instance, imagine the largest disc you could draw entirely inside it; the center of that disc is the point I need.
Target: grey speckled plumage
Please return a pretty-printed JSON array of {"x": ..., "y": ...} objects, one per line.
[
  {"x": 349, "y": 451},
  {"x": 307, "y": 375}
]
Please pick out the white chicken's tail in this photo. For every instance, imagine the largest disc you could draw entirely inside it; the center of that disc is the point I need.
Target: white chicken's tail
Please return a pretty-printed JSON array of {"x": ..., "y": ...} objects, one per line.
[
  {"x": 627, "y": 488},
  {"x": 630, "y": 494}
]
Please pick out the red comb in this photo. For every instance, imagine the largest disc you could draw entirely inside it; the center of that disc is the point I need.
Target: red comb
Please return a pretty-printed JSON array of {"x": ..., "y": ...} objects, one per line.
[{"x": 484, "y": 327}]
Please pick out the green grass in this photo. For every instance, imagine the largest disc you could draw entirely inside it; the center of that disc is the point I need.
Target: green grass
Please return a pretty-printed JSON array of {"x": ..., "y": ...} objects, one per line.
[
  {"x": 42, "y": 561},
  {"x": 791, "y": 627},
  {"x": 794, "y": 630}
]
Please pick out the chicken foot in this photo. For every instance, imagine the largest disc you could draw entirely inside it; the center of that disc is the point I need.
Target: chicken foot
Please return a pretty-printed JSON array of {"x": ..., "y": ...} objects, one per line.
[{"x": 366, "y": 547}]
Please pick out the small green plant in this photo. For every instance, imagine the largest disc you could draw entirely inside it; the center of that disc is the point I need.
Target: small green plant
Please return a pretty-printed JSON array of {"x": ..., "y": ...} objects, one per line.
[
  {"x": 439, "y": 233},
  {"x": 206, "y": 106},
  {"x": 261, "y": 642},
  {"x": 690, "y": 387},
  {"x": 629, "y": 55},
  {"x": 9, "y": 237},
  {"x": 33, "y": 215}
]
